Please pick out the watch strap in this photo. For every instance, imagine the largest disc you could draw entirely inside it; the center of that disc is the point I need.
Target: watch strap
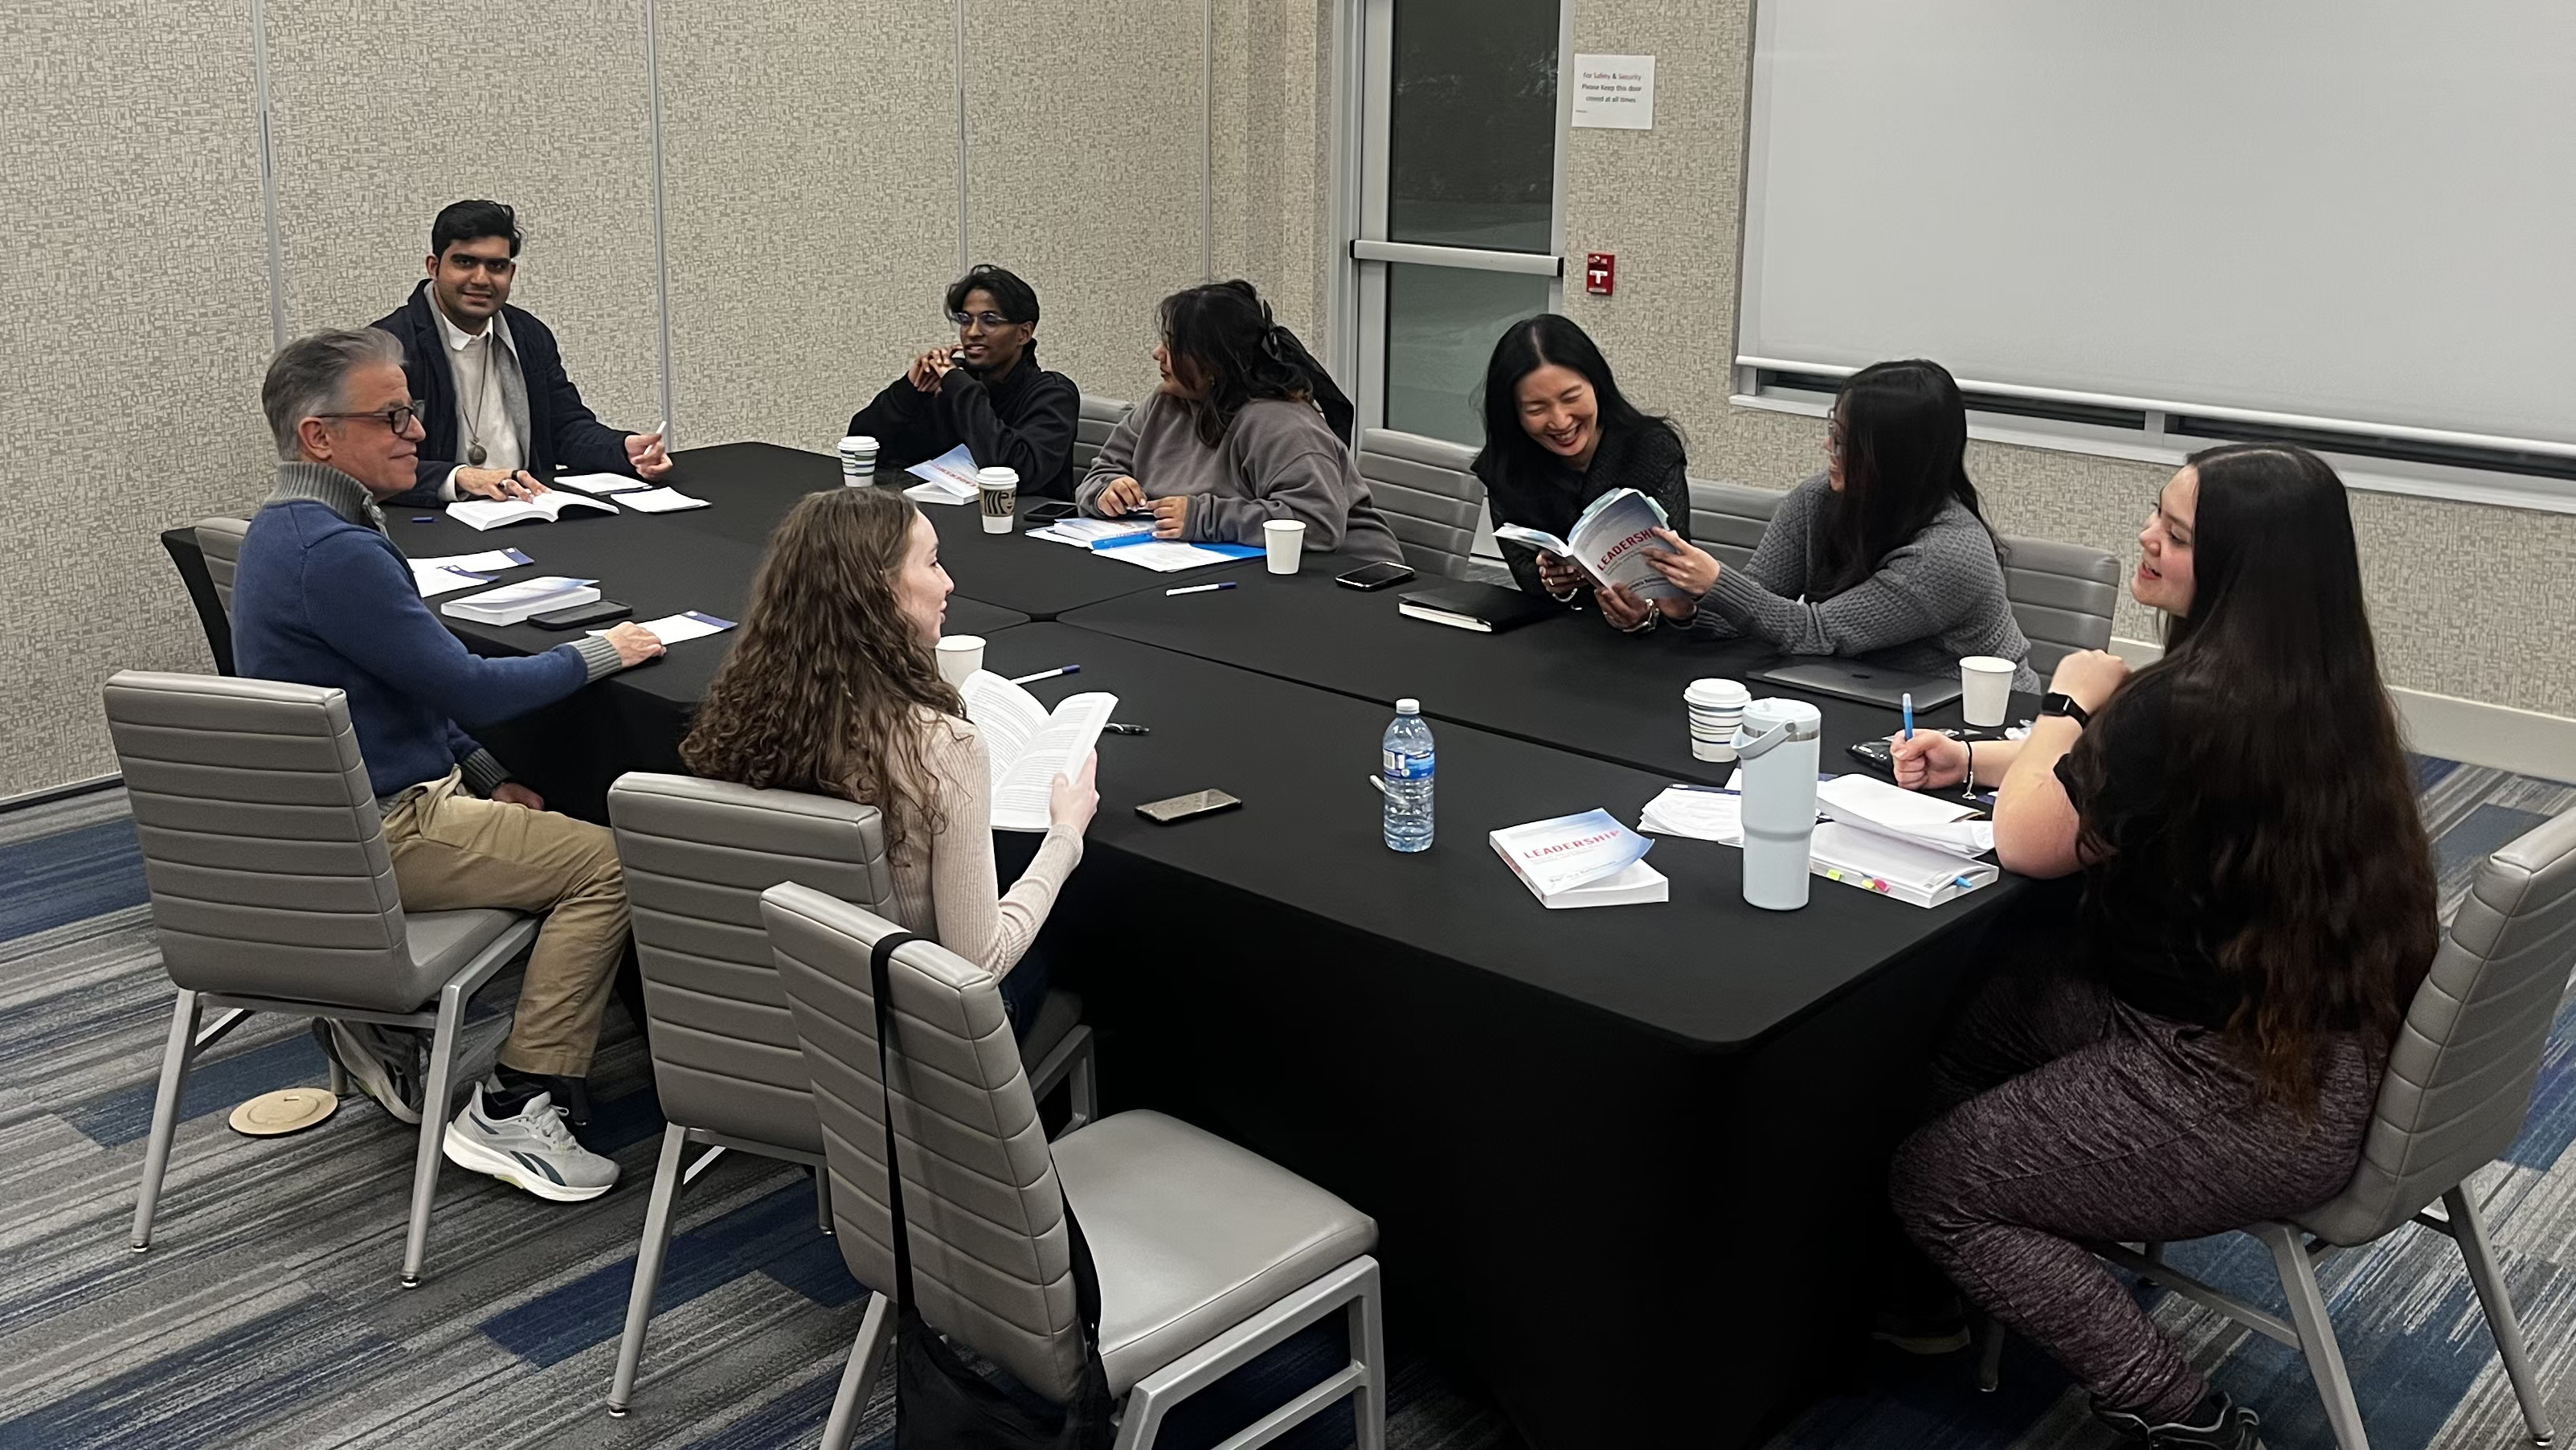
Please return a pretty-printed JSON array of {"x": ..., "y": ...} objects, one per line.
[{"x": 2053, "y": 703}]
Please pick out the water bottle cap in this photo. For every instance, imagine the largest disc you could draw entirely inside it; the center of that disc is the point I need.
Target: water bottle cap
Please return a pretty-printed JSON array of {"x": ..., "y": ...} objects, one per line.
[{"x": 1408, "y": 707}]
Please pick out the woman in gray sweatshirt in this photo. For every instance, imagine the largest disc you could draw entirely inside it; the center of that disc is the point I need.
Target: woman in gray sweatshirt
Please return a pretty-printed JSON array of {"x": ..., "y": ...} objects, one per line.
[
  {"x": 1884, "y": 555},
  {"x": 1234, "y": 437}
]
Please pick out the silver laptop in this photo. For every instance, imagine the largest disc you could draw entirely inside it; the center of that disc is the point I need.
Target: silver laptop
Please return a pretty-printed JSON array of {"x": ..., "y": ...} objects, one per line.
[{"x": 1867, "y": 683}]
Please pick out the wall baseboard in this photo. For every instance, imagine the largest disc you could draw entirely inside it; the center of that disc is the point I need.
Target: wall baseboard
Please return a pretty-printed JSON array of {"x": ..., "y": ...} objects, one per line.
[
  {"x": 49, "y": 794},
  {"x": 2470, "y": 731}
]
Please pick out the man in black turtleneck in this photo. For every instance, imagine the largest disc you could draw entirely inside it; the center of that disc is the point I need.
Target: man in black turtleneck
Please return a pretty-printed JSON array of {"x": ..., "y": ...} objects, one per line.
[{"x": 986, "y": 392}]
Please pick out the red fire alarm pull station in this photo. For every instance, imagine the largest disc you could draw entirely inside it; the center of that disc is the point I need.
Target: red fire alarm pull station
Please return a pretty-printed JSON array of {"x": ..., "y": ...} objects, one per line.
[{"x": 1600, "y": 273}]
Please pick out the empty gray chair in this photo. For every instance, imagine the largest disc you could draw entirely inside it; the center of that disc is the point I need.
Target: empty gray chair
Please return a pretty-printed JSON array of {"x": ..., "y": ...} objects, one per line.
[
  {"x": 220, "y": 540},
  {"x": 1207, "y": 1254},
  {"x": 2453, "y": 1100},
  {"x": 1728, "y": 519},
  {"x": 1430, "y": 499},
  {"x": 697, "y": 854},
  {"x": 272, "y": 891},
  {"x": 2062, "y": 596},
  {"x": 1098, "y": 419}
]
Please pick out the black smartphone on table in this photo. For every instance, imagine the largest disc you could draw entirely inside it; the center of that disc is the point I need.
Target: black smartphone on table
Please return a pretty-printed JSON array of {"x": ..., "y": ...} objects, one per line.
[
  {"x": 1053, "y": 511},
  {"x": 1373, "y": 576}
]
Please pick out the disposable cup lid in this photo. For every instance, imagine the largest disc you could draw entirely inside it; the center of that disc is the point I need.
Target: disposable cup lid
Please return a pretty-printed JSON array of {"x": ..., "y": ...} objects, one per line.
[
  {"x": 998, "y": 477},
  {"x": 1716, "y": 692},
  {"x": 1988, "y": 665},
  {"x": 961, "y": 641},
  {"x": 1283, "y": 526}
]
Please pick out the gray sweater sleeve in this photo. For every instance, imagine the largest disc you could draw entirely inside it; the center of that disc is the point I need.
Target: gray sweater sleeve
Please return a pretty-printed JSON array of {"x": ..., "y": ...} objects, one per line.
[
  {"x": 1116, "y": 459},
  {"x": 1288, "y": 466},
  {"x": 1779, "y": 561},
  {"x": 1921, "y": 588}
]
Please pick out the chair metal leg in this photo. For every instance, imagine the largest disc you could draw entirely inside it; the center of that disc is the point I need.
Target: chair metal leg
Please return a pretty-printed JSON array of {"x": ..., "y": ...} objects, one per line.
[
  {"x": 648, "y": 1266},
  {"x": 1368, "y": 1346},
  {"x": 2316, "y": 1332},
  {"x": 434, "y": 1105},
  {"x": 1990, "y": 1354},
  {"x": 165, "y": 1112},
  {"x": 867, "y": 1356},
  {"x": 823, "y": 1199},
  {"x": 2469, "y": 1231}
]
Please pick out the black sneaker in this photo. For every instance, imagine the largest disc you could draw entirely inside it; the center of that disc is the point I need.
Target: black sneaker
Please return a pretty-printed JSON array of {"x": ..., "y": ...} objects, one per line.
[
  {"x": 388, "y": 1064},
  {"x": 2216, "y": 1423}
]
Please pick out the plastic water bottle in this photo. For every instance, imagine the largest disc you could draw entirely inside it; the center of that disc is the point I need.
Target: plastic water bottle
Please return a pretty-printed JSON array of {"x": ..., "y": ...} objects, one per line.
[{"x": 1404, "y": 767}]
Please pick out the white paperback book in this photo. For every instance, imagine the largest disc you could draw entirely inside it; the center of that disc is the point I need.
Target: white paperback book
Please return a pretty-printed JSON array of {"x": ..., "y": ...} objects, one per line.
[
  {"x": 512, "y": 603},
  {"x": 1892, "y": 865},
  {"x": 1083, "y": 533},
  {"x": 949, "y": 478},
  {"x": 1029, "y": 745},
  {"x": 1585, "y": 859},
  {"x": 546, "y": 508},
  {"x": 1610, "y": 542}
]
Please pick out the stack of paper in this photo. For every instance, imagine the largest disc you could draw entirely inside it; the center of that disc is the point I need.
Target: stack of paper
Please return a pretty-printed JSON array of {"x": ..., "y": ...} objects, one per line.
[
  {"x": 1083, "y": 533},
  {"x": 1900, "y": 843},
  {"x": 1170, "y": 556},
  {"x": 687, "y": 624},
  {"x": 512, "y": 603},
  {"x": 1588, "y": 859},
  {"x": 1873, "y": 804},
  {"x": 660, "y": 501},
  {"x": 1701, "y": 812}
]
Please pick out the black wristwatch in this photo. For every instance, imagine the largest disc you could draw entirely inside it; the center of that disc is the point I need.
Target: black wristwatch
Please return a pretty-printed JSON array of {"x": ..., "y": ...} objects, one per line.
[{"x": 2053, "y": 703}]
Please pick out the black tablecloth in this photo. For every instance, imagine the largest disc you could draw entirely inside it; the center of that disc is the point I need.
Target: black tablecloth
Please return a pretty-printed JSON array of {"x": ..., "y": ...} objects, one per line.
[
  {"x": 753, "y": 485},
  {"x": 1705, "y": 969},
  {"x": 1570, "y": 681}
]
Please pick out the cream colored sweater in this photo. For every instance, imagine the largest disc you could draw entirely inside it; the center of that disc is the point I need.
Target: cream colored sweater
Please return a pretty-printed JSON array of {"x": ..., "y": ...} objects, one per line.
[{"x": 945, "y": 887}]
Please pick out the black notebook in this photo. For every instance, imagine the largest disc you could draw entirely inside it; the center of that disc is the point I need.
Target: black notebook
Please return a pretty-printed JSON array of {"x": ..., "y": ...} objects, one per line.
[{"x": 1484, "y": 608}]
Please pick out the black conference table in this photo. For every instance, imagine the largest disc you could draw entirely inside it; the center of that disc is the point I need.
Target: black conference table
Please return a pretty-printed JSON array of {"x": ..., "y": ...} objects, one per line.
[{"x": 1623, "y": 1160}]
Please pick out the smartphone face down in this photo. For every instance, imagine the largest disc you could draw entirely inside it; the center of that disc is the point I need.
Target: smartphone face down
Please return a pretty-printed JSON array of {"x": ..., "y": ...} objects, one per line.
[
  {"x": 1374, "y": 576},
  {"x": 1182, "y": 807}
]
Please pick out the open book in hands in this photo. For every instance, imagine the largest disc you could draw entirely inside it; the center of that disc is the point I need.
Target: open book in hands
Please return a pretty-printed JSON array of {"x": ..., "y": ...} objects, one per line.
[
  {"x": 1029, "y": 746},
  {"x": 1610, "y": 542}
]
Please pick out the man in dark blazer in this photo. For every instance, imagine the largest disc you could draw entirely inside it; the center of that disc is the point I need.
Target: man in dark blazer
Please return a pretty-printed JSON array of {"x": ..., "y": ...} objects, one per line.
[{"x": 500, "y": 414}]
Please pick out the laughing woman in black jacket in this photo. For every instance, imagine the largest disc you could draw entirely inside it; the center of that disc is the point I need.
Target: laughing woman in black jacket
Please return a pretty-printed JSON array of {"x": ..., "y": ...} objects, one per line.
[{"x": 1559, "y": 434}]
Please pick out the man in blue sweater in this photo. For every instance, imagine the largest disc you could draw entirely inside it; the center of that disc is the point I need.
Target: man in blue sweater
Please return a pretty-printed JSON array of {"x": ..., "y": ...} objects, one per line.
[{"x": 322, "y": 597}]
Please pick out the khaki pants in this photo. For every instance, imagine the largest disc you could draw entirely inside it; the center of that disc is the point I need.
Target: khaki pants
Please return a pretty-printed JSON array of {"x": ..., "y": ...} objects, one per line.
[{"x": 453, "y": 850}]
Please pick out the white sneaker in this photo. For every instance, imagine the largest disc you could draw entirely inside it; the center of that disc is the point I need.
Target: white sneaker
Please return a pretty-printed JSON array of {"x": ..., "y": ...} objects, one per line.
[{"x": 534, "y": 1150}]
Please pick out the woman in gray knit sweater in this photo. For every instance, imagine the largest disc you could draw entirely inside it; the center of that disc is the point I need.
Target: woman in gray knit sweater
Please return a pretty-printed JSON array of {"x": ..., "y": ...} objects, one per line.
[{"x": 1882, "y": 556}]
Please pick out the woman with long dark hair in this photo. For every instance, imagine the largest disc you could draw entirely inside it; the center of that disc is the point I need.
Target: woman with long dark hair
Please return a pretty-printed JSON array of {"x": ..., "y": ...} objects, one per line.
[
  {"x": 2258, "y": 910},
  {"x": 1247, "y": 427},
  {"x": 1884, "y": 555},
  {"x": 832, "y": 688},
  {"x": 1559, "y": 434}
]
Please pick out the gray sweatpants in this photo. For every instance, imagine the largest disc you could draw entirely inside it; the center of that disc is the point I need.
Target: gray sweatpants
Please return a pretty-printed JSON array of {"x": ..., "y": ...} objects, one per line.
[{"x": 2071, "y": 1118}]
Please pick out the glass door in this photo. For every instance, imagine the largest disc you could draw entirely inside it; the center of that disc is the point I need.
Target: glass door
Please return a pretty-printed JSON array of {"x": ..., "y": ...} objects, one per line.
[{"x": 1460, "y": 215}]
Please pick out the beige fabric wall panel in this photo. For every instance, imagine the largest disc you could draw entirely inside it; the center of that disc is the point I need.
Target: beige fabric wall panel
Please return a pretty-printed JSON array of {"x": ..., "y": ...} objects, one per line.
[
  {"x": 2467, "y": 600},
  {"x": 137, "y": 330},
  {"x": 1083, "y": 143},
  {"x": 383, "y": 113},
  {"x": 1271, "y": 109},
  {"x": 809, "y": 159}
]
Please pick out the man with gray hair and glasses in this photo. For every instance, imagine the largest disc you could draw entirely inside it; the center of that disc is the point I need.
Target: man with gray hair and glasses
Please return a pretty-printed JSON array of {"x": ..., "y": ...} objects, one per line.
[{"x": 322, "y": 597}]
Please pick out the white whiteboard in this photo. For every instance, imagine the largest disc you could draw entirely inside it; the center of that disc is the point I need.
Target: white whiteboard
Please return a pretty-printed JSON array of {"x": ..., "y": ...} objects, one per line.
[{"x": 2352, "y": 211}]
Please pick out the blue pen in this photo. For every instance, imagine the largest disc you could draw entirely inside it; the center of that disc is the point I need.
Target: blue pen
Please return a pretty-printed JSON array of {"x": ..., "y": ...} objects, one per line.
[{"x": 1908, "y": 699}]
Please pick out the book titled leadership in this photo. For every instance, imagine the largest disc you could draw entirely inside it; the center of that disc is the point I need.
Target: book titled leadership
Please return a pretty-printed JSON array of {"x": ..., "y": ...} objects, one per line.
[{"x": 1588, "y": 859}]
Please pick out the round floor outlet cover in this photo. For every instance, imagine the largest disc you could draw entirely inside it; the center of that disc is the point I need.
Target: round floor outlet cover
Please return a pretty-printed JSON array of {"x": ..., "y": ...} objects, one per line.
[{"x": 274, "y": 1115}]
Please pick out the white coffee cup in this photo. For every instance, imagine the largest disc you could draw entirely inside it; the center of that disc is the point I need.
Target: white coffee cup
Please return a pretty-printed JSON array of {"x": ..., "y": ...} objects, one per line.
[
  {"x": 858, "y": 458},
  {"x": 997, "y": 496},
  {"x": 960, "y": 655},
  {"x": 1286, "y": 539},
  {"x": 1715, "y": 708},
  {"x": 1985, "y": 688}
]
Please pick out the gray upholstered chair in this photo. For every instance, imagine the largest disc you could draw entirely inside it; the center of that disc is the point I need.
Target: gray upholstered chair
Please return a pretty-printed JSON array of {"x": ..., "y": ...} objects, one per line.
[
  {"x": 697, "y": 854},
  {"x": 220, "y": 541},
  {"x": 2062, "y": 596},
  {"x": 1207, "y": 1254},
  {"x": 1430, "y": 499},
  {"x": 1727, "y": 519},
  {"x": 1092, "y": 426},
  {"x": 2457, "y": 1088},
  {"x": 272, "y": 891}
]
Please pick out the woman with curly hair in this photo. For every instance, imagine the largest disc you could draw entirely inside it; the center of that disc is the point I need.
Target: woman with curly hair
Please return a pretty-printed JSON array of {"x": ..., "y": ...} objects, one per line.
[
  {"x": 1247, "y": 427},
  {"x": 832, "y": 688}
]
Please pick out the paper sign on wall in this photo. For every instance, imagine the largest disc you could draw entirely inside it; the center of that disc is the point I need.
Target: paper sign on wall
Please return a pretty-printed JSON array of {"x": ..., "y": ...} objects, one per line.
[{"x": 1615, "y": 92}]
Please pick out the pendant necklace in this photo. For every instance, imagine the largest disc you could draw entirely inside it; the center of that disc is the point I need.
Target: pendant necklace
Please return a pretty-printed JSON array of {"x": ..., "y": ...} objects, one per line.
[{"x": 475, "y": 452}]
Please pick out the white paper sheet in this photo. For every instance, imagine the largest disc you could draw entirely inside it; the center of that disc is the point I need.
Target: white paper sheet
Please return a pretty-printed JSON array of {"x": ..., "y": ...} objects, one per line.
[
  {"x": 687, "y": 624},
  {"x": 1165, "y": 556},
  {"x": 600, "y": 482},
  {"x": 434, "y": 582},
  {"x": 660, "y": 501}
]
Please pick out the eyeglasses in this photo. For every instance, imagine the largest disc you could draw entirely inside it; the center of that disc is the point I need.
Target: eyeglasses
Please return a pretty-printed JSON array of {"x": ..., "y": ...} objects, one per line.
[
  {"x": 398, "y": 418},
  {"x": 496, "y": 266},
  {"x": 990, "y": 321}
]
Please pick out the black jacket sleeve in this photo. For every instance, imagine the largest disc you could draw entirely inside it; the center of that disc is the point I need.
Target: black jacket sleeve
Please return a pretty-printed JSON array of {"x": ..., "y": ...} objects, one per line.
[
  {"x": 891, "y": 415},
  {"x": 1038, "y": 445},
  {"x": 1664, "y": 476}
]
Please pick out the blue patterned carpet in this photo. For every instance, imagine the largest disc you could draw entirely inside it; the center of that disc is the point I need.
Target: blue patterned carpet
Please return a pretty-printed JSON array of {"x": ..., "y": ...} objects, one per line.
[{"x": 267, "y": 1314}]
